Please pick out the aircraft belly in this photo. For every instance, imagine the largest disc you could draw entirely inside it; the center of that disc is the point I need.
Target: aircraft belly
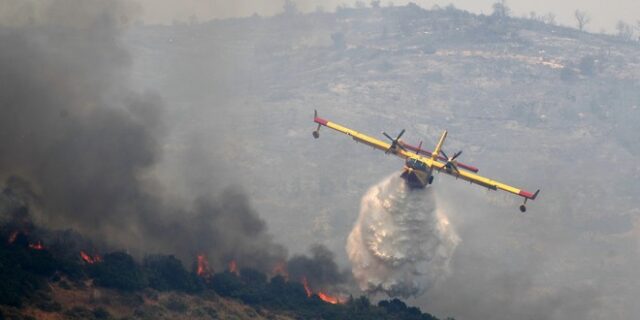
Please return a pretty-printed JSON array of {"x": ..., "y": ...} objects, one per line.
[{"x": 416, "y": 179}]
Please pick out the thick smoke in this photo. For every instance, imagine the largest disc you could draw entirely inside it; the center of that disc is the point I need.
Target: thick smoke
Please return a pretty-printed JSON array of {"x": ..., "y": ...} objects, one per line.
[
  {"x": 400, "y": 245},
  {"x": 320, "y": 270},
  {"x": 82, "y": 145}
]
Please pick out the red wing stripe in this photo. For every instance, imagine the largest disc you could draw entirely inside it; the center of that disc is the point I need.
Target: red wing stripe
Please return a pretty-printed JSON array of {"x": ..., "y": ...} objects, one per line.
[
  {"x": 468, "y": 167},
  {"x": 320, "y": 121},
  {"x": 526, "y": 194}
]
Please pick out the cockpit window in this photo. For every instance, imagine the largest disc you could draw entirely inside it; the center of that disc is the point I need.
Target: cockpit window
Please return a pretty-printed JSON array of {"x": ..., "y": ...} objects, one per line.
[{"x": 416, "y": 164}]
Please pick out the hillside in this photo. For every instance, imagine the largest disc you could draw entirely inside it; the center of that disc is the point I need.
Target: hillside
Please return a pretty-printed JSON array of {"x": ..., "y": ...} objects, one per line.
[
  {"x": 245, "y": 89},
  {"x": 153, "y": 171},
  {"x": 89, "y": 302},
  {"x": 537, "y": 105},
  {"x": 42, "y": 282}
]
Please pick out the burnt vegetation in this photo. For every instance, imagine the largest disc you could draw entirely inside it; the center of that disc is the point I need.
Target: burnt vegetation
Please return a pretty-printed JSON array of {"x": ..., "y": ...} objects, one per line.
[{"x": 27, "y": 274}]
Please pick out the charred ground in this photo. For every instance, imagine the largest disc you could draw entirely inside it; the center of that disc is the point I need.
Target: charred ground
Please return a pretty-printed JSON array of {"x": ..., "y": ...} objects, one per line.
[{"x": 59, "y": 283}]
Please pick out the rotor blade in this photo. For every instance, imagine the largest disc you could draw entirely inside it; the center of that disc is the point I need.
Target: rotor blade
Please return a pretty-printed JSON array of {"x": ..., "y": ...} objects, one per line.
[
  {"x": 400, "y": 135},
  {"x": 444, "y": 154},
  {"x": 456, "y": 155},
  {"x": 386, "y": 135},
  {"x": 402, "y": 147},
  {"x": 455, "y": 167}
]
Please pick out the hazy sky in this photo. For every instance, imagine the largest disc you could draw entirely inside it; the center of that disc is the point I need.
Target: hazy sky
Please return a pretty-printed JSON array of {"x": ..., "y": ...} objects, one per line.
[{"x": 604, "y": 14}]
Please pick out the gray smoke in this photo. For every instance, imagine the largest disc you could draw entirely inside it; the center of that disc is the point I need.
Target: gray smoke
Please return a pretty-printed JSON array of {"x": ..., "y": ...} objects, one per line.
[
  {"x": 401, "y": 244},
  {"x": 85, "y": 144},
  {"x": 320, "y": 270}
]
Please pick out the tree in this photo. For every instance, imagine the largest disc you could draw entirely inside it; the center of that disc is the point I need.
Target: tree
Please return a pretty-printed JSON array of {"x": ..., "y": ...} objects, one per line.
[
  {"x": 339, "y": 41},
  {"x": 193, "y": 20},
  {"x": 118, "y": 270},
  {"x": 549, "y": 18},
  {"x": 227, "y": 284},
  {"x": 582, "y": 18},
  {"x": 625, "y": 30},
  {"x": 500, "y": 9},
  {"x": 167, "y": 273},
  {"x": 289, "y": 8}
]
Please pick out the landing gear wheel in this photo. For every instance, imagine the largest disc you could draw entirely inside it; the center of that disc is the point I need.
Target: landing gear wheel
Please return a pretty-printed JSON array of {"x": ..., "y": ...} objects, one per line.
[
  {"x": 430, "y": 179},
  {"x": 316, "y": 134},
  {"x": 523, "y": 208}
]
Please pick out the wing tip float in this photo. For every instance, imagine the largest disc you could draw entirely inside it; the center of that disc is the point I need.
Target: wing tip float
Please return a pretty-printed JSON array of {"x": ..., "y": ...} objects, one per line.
[{"x": 420, "y": 163}]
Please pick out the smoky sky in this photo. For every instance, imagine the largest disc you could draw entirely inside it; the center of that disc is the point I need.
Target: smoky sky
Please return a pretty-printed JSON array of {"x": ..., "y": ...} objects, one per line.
[
  {"x": 573, "y": 255},
  {"x": 319, "y": 269},
  {"x": 83, "y": 144},
  {"x": 86, "y": 145},
  {"x": 603, "y": 15}
]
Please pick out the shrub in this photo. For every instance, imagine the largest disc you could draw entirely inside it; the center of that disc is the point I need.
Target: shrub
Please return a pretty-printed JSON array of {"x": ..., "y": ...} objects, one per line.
[
  {"x": 150, "y": 312},
  {"x": 119, "y": 271},
  {"x": 80, "y": 313},
  {"x": 49, "y": 306},
  {"x": 18, "y": 277},
  {"x": 176, "y": 304},
  {"x": 167, "y": 273},
  {"x": 101, "y": 313}
]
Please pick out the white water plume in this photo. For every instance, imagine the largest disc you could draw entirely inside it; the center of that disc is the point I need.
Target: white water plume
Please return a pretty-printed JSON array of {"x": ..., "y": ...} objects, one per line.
[{"x": 401, "y": 244}]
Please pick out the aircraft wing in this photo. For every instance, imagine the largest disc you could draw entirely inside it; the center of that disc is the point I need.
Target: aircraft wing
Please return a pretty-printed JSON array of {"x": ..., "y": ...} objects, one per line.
[
  {"x": 399, "y": 149},
  {"x": 378, "y": 144},
  {"x": 357, "y": 136},
  {"x": 488, "y": 183}
]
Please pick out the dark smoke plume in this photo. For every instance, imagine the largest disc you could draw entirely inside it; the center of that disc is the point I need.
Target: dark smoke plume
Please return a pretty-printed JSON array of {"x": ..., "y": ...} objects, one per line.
[
  {"x": 320, "y": 270},
  {"x": 77, "y": 146}
]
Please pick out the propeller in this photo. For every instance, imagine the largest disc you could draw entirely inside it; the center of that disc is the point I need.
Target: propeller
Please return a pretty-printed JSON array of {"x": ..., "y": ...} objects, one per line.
[
  {"x": 419, "y": 148},
  {"x": 394, "y": 142},
  {"x": 451, "y": 164}
]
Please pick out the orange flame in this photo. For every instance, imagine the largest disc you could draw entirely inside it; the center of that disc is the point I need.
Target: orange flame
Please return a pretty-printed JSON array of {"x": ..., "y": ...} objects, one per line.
[
  {"x": 281, "y": 270},
  {"x": 203, "y": 267},
  {"x": 323, "y": 296},
  {"x": 89, "y": 259},
  {"x": 13, "y": 236},
  {"x": 233, "y": 267},
  {"x": 327, "y": 298},
  {"x": 36, "y": 246},
  {"x": 306, "y": 287}
]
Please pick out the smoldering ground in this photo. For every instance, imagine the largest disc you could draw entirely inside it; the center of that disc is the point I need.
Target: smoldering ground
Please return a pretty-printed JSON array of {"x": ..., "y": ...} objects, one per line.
[{"x": 81, "y": 144}]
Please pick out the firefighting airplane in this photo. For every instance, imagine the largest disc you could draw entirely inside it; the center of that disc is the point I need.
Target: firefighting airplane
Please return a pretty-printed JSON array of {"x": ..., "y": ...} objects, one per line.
[{"x": 419, "y": 163}]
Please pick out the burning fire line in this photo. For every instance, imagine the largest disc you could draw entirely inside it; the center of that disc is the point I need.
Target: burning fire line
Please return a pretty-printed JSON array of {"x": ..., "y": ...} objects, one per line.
[
  {"x": 323, "y": 296},
  {"x": 280, "y": 270},
  {"x": 89, "y": 259},
  {"x": 13, "y": 236},
  {"x": 306, "y": 287},
  {"x": 203, "y": 267},
  {"x": 36, "y": 246},
  {"x": 233, "y": 267},
  {"x": 327, "y": 298}
]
